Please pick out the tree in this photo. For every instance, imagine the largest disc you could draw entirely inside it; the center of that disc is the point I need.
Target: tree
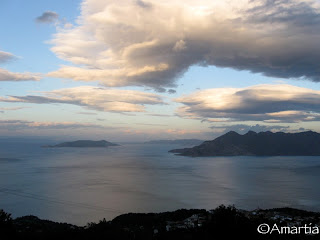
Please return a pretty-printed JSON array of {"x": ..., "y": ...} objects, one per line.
[
  {"x": 5, "y": 218},
  {"x": 6, "y": 225}
]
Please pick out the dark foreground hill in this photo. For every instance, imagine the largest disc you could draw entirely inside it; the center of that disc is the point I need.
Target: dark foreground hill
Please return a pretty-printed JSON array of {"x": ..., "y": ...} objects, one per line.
[
  {"x": 84, "y": 143},
  {"x": 258, "y": 144},
  {"x": 220, "y": 223}
]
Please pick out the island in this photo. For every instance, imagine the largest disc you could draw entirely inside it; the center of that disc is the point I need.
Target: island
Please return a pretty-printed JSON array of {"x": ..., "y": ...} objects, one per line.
[
  {"x": 257, "y": 144},
  {"x": 83, "y": 144}
]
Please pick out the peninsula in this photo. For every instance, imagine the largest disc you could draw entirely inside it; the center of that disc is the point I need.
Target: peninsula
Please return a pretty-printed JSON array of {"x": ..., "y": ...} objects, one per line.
[{"x": 257, "y": 144}]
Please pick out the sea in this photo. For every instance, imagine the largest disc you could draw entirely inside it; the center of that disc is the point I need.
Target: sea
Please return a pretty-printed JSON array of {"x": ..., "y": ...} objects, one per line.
[{"x": 83, "y": 185}]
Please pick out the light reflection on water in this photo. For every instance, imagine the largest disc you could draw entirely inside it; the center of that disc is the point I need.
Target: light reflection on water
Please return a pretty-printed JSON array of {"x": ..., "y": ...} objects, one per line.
[{"x": 83, "y": 185}]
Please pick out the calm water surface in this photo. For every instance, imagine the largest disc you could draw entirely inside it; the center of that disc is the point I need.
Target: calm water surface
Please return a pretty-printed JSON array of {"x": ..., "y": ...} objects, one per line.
[{"x": 84, "y": 185}]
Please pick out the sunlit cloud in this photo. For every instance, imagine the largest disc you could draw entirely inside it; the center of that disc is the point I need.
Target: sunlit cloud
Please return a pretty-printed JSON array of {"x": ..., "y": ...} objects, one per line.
[
  {"x": 11, "y": 108},
  {"x": 182, "y": 131},
  {"x": 268, "y": 103},
  {"x": 6, "y": 57},
  {"x": 151, "y": 43},
  {"x": 24, "y": 124},
  {"x": 87, "y": 113},
  {"x": 6, "y": 75},
  {"x": 94, "y": 98}
]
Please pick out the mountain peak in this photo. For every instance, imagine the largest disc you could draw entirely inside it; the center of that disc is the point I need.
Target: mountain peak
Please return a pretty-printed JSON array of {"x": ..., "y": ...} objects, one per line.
[
  {"x": 232, "y": 133},
  {"x": 262, "y": 144}
]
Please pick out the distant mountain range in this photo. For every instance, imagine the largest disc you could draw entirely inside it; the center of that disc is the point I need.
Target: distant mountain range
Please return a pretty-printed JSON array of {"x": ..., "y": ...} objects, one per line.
[
  {"x": 257, "y": 144},
  {"x": 84, "y": 144},
  {"x": 184, "y": 142}
]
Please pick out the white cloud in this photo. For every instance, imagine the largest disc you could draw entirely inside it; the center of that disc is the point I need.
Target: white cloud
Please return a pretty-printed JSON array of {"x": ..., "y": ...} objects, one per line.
[
  {"x": 6, "y": 75},
  {"x": 5, "y": 57},
  {"x": 24, "y": 125},
  {"x": 269, "y": 103},
  {"x": 11, "y": 108},
  {"x": 151, "y": 43},
  {"x": 102, "y": 99}
]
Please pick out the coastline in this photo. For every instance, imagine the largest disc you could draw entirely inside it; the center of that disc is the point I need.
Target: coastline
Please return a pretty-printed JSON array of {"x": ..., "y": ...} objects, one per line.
[{"x": 179, "y": 224}]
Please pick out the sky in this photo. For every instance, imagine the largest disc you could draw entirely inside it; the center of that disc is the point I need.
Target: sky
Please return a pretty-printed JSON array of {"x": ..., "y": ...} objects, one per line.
[{"x": 133, "y": 70}]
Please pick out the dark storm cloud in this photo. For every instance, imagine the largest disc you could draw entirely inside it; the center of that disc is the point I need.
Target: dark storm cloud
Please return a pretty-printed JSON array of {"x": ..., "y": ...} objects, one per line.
[
  {"x": 295, "y": 14},
  {"x": 48, "y": 17},
  {"x": 172, "y": 91}
]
